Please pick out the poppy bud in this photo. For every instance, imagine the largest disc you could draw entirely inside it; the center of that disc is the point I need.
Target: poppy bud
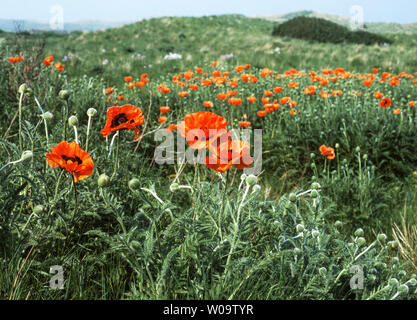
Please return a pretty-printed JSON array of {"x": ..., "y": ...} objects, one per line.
[
  {"x": 103, "y": 180},
  {"x": 412, "y": 282},
  {"x": 29, "y": 92},
  {"x": 251, "y": 180},
  {"x": 299, "y": 228},
  {"x": 372, "y": 278},
  {"x": 22, "y": 88},
  {"x": 402, "y": 273},
  {"x": 337, "y": 146},
  {"x": 403, "y": 289},
  {"x": 358, "y": 149},
  {"x": 243, "y": 176},
  {"x": 174, "y": 187},
  {"x": 382, "y": 237},
  {"x": 315, "y": 233},
  {"x": 91, "y": 112},
  {"x": 365, "y": 156},
  {"x": 134, "y": 184},
  {"x": 338, "y": 224},
  {"x": 47, "y": 115},
  {"x": 64, "y": 94},
  {"x": 395, "y": 260},
  {"x": 323, "y": 271},
  {"x": 359, "y": 232},
  {"x": 73, "y": 121},
  {"x": 297, "y": 251},
  {"x": 256, "y": 188},
  {"x": 292, "y": 197},
  {"x": 38, "y": 209},
  {"x": 361, "y": 241},
  {"x": 392, "y": 244},
  {"x": 314, "y": 194},
  {"x": 26, "y": 155},
  {"x": 393, "y": 282}
]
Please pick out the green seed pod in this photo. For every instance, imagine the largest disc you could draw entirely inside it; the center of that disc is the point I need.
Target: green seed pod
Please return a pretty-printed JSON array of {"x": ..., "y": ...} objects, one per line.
[
  {"x": 358, "y": 149},
  {"x": 26, "y": 155},
  {"x": 256, "y": 188},
  {"x": 29, "y": 92},
  {"x": 251, "y": 180},
  {"x": 337, "y": 146},
  {"x": 365, "y": 157},
  {"x": 403, "y": 289},
  {"x": 91, "y": 112},
  {"x": 292, "y": 197},
  {"x": 323, "y": 271},
  {"x": 382, "y": 237},
  {"x": 314, "y": 194},
  {"x": 47, "y": 115},
  {"x": 315, "y": 233},
  {"x": 359, "y": 232},
  {"x": 315, "y": 186},
  {"x": 361, "y": 241},
  {"x": 312, "y": 155},
  {"x": 73, "y": 121},
  {"x": 412, "y": 282},
  {"x": 103, "y": 180},
  {"x": 22, "y": 88},
  {"x": 338, "y": 224},
  {"x": 312, "y": 165},
  {"x": 299, "y": 228},
  {"x": 134, "y": 184},
  {"x": 64, "y": 94},
  {"x": 174, "y": 187},
  {"x": 38, "y": 209},
  {"x": 297, "y": 251},
  {"x": 393, "y": 282}
]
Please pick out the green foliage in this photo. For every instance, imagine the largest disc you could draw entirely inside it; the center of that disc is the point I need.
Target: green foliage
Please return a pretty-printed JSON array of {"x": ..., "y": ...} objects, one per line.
[{"x": 322, "y": 30}]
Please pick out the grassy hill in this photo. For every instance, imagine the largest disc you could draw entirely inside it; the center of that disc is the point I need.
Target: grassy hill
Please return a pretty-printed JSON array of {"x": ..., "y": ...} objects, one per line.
[{"x": 376, "y": 27}]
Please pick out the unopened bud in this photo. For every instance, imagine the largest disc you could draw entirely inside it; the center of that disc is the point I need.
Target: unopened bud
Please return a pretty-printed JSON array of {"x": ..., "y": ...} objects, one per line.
[
  {"x": 103, "y": 180},
  {"x": 91, "y": 112},
  {"x": 73, "y": 121}
]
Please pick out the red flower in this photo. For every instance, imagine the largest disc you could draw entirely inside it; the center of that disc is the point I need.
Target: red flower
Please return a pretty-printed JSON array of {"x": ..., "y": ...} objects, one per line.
[{"x": 124, "y": 117}]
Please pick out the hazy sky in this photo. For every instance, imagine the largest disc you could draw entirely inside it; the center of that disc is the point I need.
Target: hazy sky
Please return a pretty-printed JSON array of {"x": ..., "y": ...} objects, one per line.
[{"x": 403, "y": 11}]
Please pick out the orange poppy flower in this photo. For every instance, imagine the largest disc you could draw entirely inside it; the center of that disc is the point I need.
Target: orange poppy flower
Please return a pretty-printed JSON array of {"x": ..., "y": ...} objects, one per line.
[
  {"x": 375, "y": 70},
  {"x": 199, "y": 70},
  {"x": 268, "y": 93},
  {"x": 397, "y": 111},
  {"x": 251, "y": 99},
  {"x": 128, "y": 79},
  {"x": 124, "y": 117},
  {"x": 164, "y": 109},
  {"x": 48, "y": 60},
  {"x": 171, "y": 127},
  {"x": 261, "y": 113},
  {"x": 386, "y": 102},
  {"x": 293, "y": 112},
  {"x": 197, "y": 128},
  {"x": 244, "y": 124},
  {"x": 72, "y": 158},
  {"x": 141, "y": 84},
  {"x": 227, "y": 154},
  {"x": 412, "y": 103},
  {"x": 284, "y": 100},
  {"x": 311, "y": 90},
  {"x": 378, "y": 95},
  {"x": 293, "y": 85},
  {"x": 194, "y": 87},
  {"x": 265, "y": 100},
  {"x": 327, "y": 152},
  {"x": 59, "y": 66},
  {"x": 367, "y": 82},
  {"x": 183, "y": 94},
  {"x": 222, "y": 96},
  {"x": 208, "y": 104},
  {"x": 235, "y": 101},
  {"x": 131, "y": 85},
  {"x": 162, "y": 119},
  {"x": 277, "y": 89}
]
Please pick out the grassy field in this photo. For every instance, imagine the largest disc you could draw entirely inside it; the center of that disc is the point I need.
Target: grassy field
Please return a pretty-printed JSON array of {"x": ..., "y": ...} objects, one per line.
[{"x": 337, "y": 187}]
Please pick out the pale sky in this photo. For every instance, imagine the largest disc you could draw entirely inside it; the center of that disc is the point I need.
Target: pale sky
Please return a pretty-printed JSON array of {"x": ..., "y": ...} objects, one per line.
[{"x": 403, "y": 11}]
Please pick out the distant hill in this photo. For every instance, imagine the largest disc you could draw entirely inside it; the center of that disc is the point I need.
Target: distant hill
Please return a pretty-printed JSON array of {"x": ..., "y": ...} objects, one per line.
[
  {"x": 322, "y": 30},
  {"x": 375, "y": 27},
  {"x": 11, "y": 25}
]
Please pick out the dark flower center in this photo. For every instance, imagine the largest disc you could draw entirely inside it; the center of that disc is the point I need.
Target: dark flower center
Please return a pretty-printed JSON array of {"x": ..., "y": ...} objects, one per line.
[
  {"x": 119, "y": 119},
  {"x": 73, "y": 159}
]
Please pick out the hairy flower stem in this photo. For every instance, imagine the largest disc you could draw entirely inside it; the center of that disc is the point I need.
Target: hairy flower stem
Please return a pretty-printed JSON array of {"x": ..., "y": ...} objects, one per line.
[
  {"x": 116, "y": 162},
  {"x": 20, "y": 121},
  {"x": 88, "y": 133},
  {"x": 236, "y": 228},
  {"x": 64, "y": 119}
]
